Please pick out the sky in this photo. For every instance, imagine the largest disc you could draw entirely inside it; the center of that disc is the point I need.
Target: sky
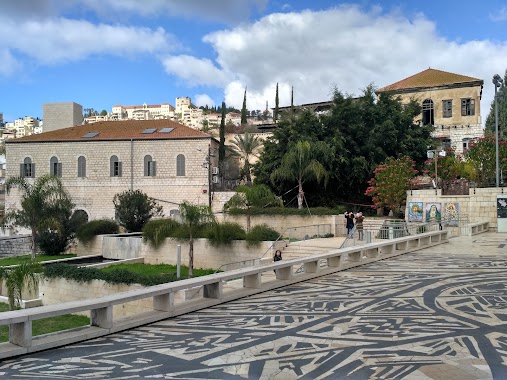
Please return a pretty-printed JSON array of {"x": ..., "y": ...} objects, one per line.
[{"x": 100, "y": 53}]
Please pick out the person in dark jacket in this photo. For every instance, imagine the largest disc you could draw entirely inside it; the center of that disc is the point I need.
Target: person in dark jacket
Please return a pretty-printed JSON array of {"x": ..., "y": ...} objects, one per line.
[
  {"x": 277, "y": 256},
  {"x": 349, "y": 218}
]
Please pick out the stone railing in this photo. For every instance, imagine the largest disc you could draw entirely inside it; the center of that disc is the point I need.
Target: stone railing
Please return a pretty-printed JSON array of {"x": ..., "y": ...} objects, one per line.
[
  {"x": 478, "y": 228},
  {"x": 216, "y": 289}
]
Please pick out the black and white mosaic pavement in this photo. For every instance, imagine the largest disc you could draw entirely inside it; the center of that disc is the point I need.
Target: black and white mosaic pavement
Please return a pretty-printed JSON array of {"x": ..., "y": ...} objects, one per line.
[{"x": 418, "y": 316}]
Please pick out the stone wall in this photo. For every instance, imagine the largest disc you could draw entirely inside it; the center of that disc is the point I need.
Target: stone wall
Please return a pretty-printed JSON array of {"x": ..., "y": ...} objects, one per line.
[
  {"x": 293, "y": 226},
  {"x": 479, "y": 205},
  {"x": 15, "y": 245}
]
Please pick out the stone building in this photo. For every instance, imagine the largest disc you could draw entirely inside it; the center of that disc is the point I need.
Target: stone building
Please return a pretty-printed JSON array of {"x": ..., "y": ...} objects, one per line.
[
  {"x": 451, "y": 103},
  {"x": 165, "y": 159},
  {"x": 61, "y": 115}
]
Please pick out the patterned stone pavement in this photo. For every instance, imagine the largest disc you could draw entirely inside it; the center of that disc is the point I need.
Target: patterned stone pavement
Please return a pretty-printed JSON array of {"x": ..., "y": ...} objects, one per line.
[{"x": 440, "y": 313}]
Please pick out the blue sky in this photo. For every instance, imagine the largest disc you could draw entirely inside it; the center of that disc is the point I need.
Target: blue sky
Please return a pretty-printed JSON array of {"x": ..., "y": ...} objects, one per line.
[{"x": 99, "y": 53}]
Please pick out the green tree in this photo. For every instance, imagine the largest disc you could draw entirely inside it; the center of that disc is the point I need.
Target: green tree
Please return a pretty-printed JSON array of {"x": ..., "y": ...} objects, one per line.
[
  {"x": 302, "y": 162},
  {"x": 221, "y": 147},
  {"x": 449, "y": 167},
  {"x": 42, "y": 204},
  {"x": 482, "y": 156},
  {"x": 245, "y": 147},
  {"x": 17, "y": 279},
  {"x": 502, "y": 113},
  {"x": 103, "y": 113},
  {"x": 243, "y": 110},
  {"x": 193, "y": 218},
  {"x": 275, "y": 111},
  {"x": 56, "y": 241},
  {"x": 388, "y": 188},
  {"x": 133, "y": 209},
  {"x": 248, "y": 197}
]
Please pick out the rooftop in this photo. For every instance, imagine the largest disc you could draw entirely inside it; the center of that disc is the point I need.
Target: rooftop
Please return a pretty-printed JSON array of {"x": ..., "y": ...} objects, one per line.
[
  {"x": 162, "y": 129},
  {"x": 430, "y": 78}
]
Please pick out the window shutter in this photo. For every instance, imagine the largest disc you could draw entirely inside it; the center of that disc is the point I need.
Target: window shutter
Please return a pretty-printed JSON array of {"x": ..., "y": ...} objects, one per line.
[
  {"x": 22, "y": 170},
  {"x": 119, "y": 168},
  {"x": 153, "y": 168},
  {"x": 111, "y": 168},
  {"x": 146, "y": 167},
  {"x": 33, "y": 170},
  {"x": 59, "y": 169},
  {"x": 472, "y": 106}
]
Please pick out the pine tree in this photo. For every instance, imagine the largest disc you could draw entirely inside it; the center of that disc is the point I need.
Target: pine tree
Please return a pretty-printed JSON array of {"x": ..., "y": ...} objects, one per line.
[
  {"x": 243, "y": 110},
  {"x": 275, "y": 112},
  {"x": 292, "y": 102}
]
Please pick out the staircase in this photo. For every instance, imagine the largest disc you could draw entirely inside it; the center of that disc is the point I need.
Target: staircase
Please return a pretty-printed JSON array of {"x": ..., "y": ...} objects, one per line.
[{"x": 311, "y": 247}]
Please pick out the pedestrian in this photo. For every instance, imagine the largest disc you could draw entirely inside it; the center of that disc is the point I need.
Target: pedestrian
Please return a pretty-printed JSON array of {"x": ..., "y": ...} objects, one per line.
[
  {"x": 349, "y": 217},
  {"x": 277, "y": 257},
  {"x": 359, "y": 225}
]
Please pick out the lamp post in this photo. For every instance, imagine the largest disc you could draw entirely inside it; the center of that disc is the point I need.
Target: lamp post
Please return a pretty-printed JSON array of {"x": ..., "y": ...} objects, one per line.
[
  {"x": 434, "y": 153},
  {"x": 497, "y": 81}
]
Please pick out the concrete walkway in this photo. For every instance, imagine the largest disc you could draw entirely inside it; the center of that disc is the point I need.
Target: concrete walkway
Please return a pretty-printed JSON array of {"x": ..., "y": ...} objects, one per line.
[{"x": 439, "y": 313}]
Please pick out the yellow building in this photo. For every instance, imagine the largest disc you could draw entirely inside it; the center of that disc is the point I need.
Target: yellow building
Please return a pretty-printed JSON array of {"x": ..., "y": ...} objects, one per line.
[{"x": 450, "y": 102}]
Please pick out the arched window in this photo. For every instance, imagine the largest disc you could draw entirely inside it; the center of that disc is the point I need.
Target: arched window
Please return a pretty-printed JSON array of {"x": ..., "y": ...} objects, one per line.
[
  {"x": 428, "y": 112},
  {"x": 55, "y": 167},
  {"x": 114, "y": 167},
  {"x": 180, "y": 165},
  {"x": 81, "y": 166},
  {"x": 81, "y": 216},
  {"x": 149, "y": 166},
  {"x": 27, "y": 168}
]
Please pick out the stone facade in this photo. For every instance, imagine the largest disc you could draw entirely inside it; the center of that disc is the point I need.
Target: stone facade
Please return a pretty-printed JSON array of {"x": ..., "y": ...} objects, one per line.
[
  {"x": 94, "y": 193},
  {"x": 451, "y": 103},
  {"x": 61, "y": 115}
]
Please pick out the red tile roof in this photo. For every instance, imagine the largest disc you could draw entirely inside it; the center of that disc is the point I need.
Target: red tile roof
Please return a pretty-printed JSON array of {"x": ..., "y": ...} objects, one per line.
[
  {"x": 430, "y": 78},
  {"x": 118, "y": 130}
]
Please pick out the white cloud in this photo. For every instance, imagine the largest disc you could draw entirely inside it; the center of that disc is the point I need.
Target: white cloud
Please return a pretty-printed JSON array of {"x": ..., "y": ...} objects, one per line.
[
  {"x": 343, "y": 46},
  {"x": 203, "y": 100},
  {"x": 59, "y": 40},
  {"x": 195, "y": 71}
]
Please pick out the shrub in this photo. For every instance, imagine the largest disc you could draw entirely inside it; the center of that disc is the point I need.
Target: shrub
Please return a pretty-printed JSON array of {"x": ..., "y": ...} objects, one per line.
[
  {"x": 225, "y": 233},
  {"x": 133, "y": 209},
  {"x": 157, "y": 230},
  {"x": 89, "y": 230},
  {"x": 261, "y": 232}
]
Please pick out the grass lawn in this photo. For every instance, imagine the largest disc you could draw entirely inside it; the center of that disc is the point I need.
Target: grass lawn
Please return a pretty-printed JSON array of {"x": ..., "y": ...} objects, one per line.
[
  {"x": 19, "y": 259},
  {"x": 157, "y": 269},
  {"x": 47, "y": 325}
]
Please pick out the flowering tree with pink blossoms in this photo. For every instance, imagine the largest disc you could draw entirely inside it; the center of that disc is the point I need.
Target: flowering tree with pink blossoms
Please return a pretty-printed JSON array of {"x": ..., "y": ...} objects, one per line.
[{"x": 388, "y": 188}]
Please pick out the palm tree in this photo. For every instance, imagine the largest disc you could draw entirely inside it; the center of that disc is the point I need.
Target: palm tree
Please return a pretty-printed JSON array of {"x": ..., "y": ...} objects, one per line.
[
  {"x": 247, "y": 197},
  {"x": 23, "y": 276},
  {"x": 300, "y": 163},
  {"x": 245, "y": 147},
  {"x": 193, "y": 218},
  {"x": 41, "y": 204}
]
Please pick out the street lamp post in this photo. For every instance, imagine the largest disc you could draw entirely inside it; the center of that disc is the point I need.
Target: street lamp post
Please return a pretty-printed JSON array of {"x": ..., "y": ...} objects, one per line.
[
  {"x": 434, "y": 153},
  {"x": 497, "y": 81}
]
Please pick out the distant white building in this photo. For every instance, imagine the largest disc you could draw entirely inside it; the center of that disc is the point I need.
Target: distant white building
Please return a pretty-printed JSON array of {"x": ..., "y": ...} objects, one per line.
[{"x": 23, "y": 126}]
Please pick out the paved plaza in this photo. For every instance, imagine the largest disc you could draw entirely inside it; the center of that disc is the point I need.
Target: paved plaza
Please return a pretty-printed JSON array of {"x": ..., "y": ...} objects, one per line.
[{"x": 439, "y": 313}]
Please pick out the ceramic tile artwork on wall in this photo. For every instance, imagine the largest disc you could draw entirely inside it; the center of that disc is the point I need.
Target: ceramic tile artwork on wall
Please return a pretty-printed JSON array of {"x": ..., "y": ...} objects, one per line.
[
  {"x": 433, "y": 212},
  {"x": 415, "y": 212},
  {"x": 451, "y": 214}
]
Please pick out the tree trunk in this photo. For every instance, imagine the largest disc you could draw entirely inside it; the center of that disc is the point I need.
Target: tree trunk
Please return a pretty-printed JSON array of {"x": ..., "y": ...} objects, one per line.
[
  {"x": 248, "y": 222},
  {"x": 300, "y": 195},
  {"x": 34, "y": 242},
  {"x": 247, "y": 173},
  {"x": 191, "y": 257}
]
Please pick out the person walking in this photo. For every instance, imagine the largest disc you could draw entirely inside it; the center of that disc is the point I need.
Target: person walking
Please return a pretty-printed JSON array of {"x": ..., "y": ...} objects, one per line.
[
  {"x": 359, "y": 225},
  {"x": 277, "y": 257},
  {"x": 349, "y": 218}
]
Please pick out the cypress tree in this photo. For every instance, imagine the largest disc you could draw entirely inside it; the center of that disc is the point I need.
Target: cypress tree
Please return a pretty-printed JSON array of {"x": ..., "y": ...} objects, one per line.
[
  {"x": 221, "y": 147},
  {"x": 243, "y": 110},
  {"x": 275, "y": 112},
  {"x": 292, "y": 102}
]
